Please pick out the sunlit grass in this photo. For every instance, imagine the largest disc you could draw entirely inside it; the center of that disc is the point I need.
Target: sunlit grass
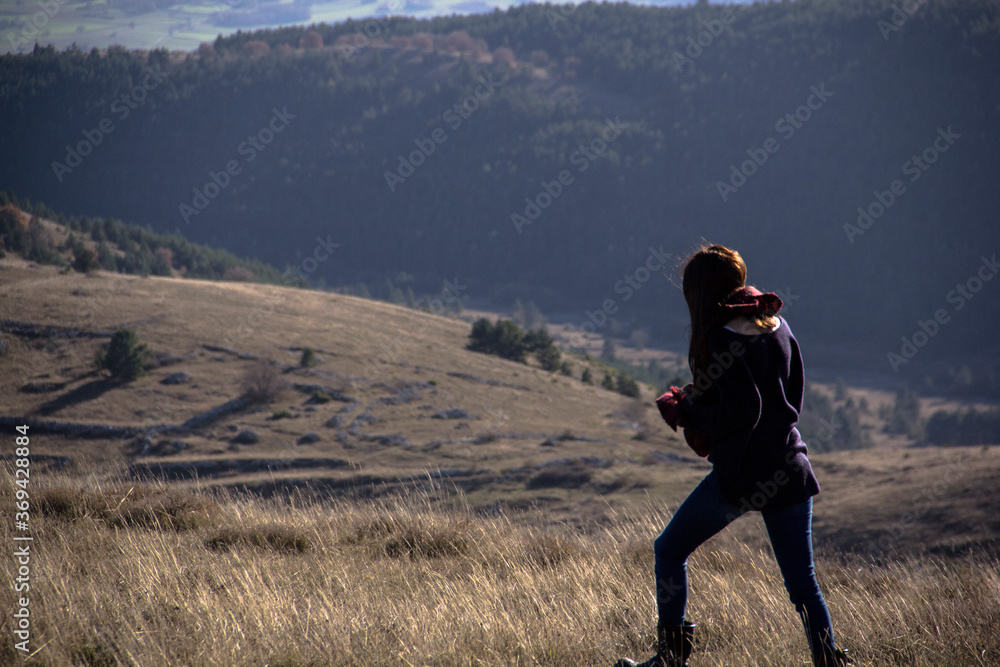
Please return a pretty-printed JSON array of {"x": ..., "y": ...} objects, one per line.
[{"x": 150, "y": 575}]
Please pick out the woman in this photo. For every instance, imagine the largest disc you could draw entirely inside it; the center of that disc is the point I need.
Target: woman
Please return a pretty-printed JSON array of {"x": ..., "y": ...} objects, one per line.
[{"x": 741, "y": 408}]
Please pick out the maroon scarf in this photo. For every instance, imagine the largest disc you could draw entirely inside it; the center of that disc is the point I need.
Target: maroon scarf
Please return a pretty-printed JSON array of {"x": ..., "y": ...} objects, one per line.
[{"x": 750, "y": 301}]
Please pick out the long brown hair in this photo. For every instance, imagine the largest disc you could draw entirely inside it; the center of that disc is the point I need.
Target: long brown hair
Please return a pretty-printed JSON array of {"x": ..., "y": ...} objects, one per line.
[{"x": 710, "y": 275}]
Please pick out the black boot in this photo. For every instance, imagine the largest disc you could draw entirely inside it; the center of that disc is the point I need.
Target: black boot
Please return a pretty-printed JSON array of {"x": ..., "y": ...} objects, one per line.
[
  {"x": 674, "y": 644},
  {"x": 828, "y": 657}
]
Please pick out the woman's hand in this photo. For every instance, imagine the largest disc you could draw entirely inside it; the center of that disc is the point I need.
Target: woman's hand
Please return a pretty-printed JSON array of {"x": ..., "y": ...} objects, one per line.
[{"x": 669, "y": 407}]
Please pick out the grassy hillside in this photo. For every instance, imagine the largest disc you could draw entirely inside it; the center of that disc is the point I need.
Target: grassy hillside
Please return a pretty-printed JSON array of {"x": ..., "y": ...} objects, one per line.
[
  {"x": 371, "y": 416},
  {"x": 146, "y": 575},
  {"x": 359, "y": 528}
]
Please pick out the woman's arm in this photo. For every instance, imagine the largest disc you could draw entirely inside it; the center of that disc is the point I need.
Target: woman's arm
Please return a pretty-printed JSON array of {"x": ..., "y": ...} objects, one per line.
[{"x": 733, "y": 404}]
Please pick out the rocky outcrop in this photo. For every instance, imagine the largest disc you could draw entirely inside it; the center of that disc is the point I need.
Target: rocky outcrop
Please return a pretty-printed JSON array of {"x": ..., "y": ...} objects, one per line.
[
  {"x": 176, "y": 378},
  {"x": 218, "y": 412}
]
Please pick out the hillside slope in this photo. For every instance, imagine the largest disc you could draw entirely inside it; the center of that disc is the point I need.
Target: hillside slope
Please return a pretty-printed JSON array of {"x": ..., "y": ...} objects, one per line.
[{"x": 396, "y": 401}]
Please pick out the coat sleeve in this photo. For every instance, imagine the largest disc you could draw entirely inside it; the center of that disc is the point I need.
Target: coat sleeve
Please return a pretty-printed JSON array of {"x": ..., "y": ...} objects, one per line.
[
  {"x": 732, "y": 405},
  {"x": 796, "y": 377}
]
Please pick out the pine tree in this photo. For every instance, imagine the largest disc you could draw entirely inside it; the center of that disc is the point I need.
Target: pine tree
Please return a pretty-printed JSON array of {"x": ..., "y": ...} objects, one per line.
[{"x": 124, "y": 357}]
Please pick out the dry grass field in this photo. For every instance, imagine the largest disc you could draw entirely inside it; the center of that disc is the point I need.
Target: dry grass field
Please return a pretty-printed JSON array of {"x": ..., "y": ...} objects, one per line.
[
  {"x": 406, "y": 501},
  {"x": 150, "y": 575}
]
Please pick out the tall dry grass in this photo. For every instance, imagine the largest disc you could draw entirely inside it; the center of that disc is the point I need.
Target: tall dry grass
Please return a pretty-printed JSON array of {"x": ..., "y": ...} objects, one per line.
[{"x": 131, "y": 574}]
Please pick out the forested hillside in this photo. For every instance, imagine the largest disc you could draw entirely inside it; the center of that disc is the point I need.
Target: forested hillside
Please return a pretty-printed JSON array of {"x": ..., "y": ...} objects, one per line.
[
  {"x": 86, "y": 244},
  {"x": 551, "y": 153}
]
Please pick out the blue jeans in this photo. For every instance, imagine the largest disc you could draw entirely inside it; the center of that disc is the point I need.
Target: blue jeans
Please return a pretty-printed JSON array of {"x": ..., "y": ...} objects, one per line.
[{"x": 705, "y": 513}]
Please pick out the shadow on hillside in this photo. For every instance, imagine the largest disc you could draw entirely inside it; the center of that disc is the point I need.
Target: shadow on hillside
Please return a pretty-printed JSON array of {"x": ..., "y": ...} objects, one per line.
[
  {"x": 944, "y": 536},
  {"x": 83, "y": 393}
]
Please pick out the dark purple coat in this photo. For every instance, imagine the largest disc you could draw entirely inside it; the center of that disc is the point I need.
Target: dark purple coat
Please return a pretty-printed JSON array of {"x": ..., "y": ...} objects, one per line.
[{"x": 747, "y": 402}]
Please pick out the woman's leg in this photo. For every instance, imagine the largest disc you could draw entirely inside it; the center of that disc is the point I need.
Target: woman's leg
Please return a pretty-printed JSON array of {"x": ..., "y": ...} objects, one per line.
[
  {"x": 790, "y": 530},
  {"x": 702, "y": 515}
]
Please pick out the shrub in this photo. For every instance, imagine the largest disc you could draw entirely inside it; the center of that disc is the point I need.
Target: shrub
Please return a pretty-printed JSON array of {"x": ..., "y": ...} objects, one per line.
[
  {"x": 549, "y": 357},
  {"x": 41, "y": 248},
  {"x": 608, "y": 382},
  {"x": 626, "y": 386},
  {"x": 320, "y": 397},
  {"x": 15, "y": 236},
  {"x": 85, "y": 261},
  {"x": 105, "y": 257},
  {"x": 262, "y": 382},
  {"x": 504, "y": 339},
  {"x": 508, "y": 341},
  {"x": 308, "y": 359},
  {"x": 124, "y": 357},
  {"x": 481, "y": 337},
  {"x": 239, "y": 274}
]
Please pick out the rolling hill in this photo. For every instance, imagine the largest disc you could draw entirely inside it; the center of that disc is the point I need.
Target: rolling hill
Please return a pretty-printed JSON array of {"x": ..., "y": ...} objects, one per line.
[
  {"x": 764, "y": 127},
  {"x": 403, "y": 498},
  {"x": 395, "y": 401}
]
